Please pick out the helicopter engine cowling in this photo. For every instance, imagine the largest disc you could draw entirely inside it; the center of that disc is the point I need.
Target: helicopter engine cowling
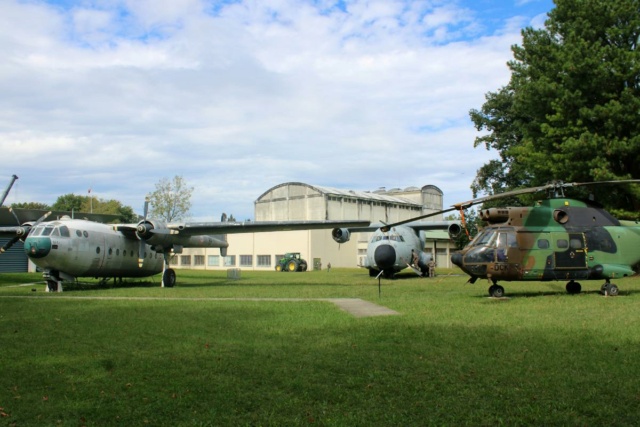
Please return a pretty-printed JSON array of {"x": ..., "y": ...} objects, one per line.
[
  {"x": 340, "y": 235},
  {"x": 494, "y": 215}
]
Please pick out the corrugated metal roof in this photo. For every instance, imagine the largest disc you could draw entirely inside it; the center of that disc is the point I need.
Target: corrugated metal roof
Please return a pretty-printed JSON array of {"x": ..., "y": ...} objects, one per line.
[{"x": 364, "y": 195}]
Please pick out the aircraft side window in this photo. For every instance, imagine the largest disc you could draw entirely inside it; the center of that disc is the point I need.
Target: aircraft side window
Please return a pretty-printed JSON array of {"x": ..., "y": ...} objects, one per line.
[
  {"x": 64, "y": 231},
  {"x": 562, "y": 243},
  {"x": 543, "y": 244},
  {"x": 98, "y": 249},
  {"x": 110, "y": 251},
  {"x": 117, "y": 252},
  {"x": 575, "y": 243},
  {"x": 85, "y": 234},
  {"x": 78, "y": 233}
]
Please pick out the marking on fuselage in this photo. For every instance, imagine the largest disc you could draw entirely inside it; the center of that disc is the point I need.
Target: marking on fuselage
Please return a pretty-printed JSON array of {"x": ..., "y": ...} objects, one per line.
[{"x": 355, "y": 306}]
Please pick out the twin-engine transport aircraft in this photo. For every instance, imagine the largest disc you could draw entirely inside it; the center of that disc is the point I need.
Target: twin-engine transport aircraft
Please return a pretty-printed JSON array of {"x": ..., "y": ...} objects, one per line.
[
  {"x": 66, "y": 249},
  {"x": 556, "y": 239},
  {"x": 389, "y": 252}
]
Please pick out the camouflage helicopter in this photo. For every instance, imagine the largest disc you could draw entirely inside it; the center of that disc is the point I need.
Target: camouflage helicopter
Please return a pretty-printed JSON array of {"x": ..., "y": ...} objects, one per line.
[{"x": 555, "y": 239}]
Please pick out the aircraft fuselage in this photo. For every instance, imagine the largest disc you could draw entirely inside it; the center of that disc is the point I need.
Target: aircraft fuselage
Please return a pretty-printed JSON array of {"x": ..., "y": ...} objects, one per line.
[
  {"x": 82, "y": 248},
  {"x": 391, "y": 251}
]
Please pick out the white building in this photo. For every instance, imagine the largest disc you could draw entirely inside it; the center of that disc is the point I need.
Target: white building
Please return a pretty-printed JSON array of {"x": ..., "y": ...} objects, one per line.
[{"x": 299, "y": 201}]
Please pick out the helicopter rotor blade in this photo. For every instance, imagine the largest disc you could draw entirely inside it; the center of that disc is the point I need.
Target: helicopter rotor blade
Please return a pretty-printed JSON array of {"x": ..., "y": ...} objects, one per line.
[{"x": 555, "y": 185}]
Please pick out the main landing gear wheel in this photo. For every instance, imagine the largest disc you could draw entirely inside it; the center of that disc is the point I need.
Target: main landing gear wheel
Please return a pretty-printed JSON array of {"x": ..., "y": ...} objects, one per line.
[
  {"x": 169, "y": 278},
  {"x": 496, "y": 291},
  {"x": 609, "y": 289},
  {"x": 573, "y": 287}
]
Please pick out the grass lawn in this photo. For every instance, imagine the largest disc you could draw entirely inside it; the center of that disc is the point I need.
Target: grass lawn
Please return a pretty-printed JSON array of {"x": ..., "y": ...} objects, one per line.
[{"x": 452, "y": 357}]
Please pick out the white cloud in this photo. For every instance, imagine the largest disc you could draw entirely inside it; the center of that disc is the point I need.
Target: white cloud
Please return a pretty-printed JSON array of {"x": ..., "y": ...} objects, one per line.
[{"x": 242, "y": 96}]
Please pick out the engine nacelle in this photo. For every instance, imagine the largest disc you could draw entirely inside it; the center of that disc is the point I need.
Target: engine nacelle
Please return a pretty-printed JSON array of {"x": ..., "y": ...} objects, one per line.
[
  {"x": 340, "y": 235},
  {"x": 154, "y": 232}
]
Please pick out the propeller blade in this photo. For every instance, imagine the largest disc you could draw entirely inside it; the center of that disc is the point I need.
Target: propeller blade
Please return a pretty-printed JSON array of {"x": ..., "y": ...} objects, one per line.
[
  {"x": 9, "y": 244},
  {"x": 143, "y": 245}
]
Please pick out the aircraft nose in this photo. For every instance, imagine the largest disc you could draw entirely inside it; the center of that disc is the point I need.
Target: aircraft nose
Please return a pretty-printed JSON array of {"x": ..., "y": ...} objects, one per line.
[
  {"x": 385, "y": 256},
  {"x": 37, "y": 247},
  {"x": 456, "y": 258}
]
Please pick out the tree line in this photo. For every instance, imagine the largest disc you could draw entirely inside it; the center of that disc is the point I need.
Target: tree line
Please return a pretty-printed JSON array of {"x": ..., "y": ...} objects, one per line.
[{"x": 170, "y": 201}]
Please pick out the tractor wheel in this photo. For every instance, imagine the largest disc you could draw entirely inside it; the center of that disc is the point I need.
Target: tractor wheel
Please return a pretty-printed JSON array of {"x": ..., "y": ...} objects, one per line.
[
  {"x": 292, "y": 266},
  {"x": 303, "y": 266},
  {"x": 278, "y": 267}
]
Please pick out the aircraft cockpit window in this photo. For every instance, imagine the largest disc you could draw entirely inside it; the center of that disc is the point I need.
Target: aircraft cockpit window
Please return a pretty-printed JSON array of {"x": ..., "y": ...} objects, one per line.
[
  {"x": 55, "y": 232},
  {"x": 483, "y": 238},
  {"x": 543, "y": 244},
  {"x": 47, "y": 230},
  {"x": 397, "y": 238},
  {"x": 575, "y": 243},
  {"x": 37, "y": 231},
  {"x": 562, "y": 243},
  {"x": 64, "y": 231}
]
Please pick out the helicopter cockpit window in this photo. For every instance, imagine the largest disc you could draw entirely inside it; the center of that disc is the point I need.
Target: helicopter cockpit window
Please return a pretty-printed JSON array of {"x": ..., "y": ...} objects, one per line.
[
  {"x": 575, "y": 243},
  {"x": 543, "y": 244}
]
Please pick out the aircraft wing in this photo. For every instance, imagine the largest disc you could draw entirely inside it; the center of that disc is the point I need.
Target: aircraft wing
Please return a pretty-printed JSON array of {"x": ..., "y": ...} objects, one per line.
[{"x": 198, "y": 228}]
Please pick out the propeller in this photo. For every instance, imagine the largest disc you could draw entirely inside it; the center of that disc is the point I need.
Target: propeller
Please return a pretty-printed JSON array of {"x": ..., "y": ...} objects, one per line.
[
  {"x": 554, "y": 188},
  {"x": 143, "y": 224},
  {"x": 22, "y": 232}
]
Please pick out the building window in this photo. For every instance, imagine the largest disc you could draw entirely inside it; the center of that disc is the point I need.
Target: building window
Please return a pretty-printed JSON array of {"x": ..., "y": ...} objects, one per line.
[
  {"x": 198, "y": 260},
  {"x": 214, "y": 261},
  {"x": 264, "y": 260},
  {"x": 230, "y": 261},
  {"x": 185, "y": 260},
  {"x": 246, "y": 260}
]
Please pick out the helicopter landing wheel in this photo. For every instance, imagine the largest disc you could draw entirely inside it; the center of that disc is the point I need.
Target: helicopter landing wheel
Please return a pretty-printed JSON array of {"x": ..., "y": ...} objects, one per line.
[
  {"x": 573, "y": 287},
  {"x": 609, "y": 289},
  {"x": 496, "y": 291}
]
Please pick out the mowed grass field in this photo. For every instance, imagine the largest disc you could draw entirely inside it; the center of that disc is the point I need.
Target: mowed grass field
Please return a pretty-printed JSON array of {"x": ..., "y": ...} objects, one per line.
[{"x": 92, "y": 356}]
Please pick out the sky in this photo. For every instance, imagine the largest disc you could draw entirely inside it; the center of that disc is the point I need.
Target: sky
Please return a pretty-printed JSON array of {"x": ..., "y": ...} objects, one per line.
[{"x": 237, "y": 96}]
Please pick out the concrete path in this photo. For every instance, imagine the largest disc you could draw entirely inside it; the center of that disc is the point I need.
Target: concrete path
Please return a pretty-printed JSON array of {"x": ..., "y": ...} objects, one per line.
[{"x": 354, "y": 306}]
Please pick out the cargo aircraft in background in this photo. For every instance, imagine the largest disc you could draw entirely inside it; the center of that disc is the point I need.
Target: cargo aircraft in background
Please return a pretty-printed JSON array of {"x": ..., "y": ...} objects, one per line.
[
  {"x": 67, "y": 248},
  {"x": 557, "y": 238},
  {"x": 392, "y": 250}
]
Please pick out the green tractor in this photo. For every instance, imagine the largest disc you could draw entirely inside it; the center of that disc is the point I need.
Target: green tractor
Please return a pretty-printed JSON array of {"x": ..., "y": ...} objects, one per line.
[{"x": 291, "y": 262}]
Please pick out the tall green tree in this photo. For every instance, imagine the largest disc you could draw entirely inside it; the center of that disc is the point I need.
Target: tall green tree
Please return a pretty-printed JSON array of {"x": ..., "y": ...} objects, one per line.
[
  {"x": 69, "y": 202},
  {"x": 171, "y": 201},
  {"x": 570, "y": 109}
]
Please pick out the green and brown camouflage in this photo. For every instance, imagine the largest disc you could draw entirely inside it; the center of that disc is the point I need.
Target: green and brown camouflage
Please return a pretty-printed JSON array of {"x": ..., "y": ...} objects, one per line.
[{"x": 556, "y": 239}]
